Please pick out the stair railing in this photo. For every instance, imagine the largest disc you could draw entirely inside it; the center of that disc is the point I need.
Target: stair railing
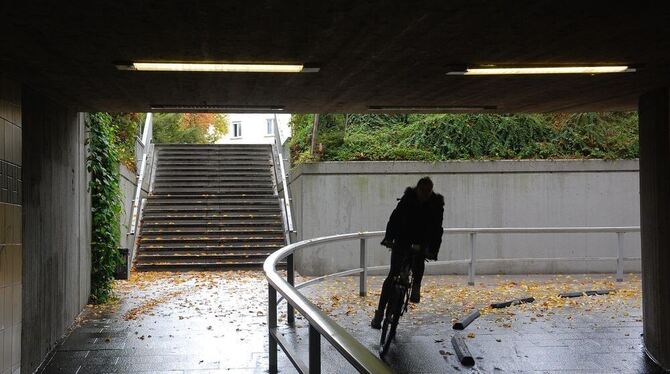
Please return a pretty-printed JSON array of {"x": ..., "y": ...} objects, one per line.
[
  {"x": 287, "y": 215},
  {"x": 138, "y": 203},
  {"x": 286, "y": 200}
]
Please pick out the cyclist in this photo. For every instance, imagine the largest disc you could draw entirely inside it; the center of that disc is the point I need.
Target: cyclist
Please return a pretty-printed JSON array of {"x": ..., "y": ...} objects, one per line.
[{"x": 415, "y": 223}]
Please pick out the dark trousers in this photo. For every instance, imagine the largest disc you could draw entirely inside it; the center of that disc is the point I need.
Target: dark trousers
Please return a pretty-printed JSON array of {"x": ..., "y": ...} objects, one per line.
[{"x": 398, "y": 256}]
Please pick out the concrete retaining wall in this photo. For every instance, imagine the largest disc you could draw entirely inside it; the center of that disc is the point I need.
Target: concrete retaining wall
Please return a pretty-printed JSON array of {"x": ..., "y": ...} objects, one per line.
[{"x": 341, "y": 197}]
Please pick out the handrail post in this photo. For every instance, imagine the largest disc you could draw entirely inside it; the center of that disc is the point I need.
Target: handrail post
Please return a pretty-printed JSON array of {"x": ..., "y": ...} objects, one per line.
[
  {"x": 363, "y": 288},
  {"x": 314, "y": 350},
  {"x": 272, "y": 324},
  {"x": 619, "y": 260},
  {"x": 471, "y": 267},
  {"x": 290, "y": 278}
]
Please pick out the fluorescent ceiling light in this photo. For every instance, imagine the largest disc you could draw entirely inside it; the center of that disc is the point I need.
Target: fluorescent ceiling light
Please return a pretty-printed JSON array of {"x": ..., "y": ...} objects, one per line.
[
  {"x": 544, "y": 70},
  {"x": 432, "y": 109},
  {"x": 217, "y": 67},
  {"x": 196, "y": 108}
]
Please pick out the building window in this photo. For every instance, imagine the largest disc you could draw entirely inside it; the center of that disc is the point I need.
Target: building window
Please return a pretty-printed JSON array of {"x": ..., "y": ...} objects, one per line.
[
  {"x": 270, "y": 127},
  {"x": 237, "y": 129}
]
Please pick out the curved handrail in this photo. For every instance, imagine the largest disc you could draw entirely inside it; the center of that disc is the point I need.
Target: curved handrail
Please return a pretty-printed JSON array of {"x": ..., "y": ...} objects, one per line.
[{"x": 350, "y": 348}]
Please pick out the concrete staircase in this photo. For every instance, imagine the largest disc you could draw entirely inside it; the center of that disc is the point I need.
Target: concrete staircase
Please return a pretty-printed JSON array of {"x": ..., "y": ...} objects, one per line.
[{"x": 211, "y": 207}]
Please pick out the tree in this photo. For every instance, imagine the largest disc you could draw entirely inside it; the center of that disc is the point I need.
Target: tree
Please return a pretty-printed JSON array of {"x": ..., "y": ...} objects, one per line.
[{"x": 191, "y": 128}]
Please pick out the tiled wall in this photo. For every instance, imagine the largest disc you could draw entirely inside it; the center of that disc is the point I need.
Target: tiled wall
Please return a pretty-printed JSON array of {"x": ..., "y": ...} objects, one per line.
[{"x": 10, "y": 226}]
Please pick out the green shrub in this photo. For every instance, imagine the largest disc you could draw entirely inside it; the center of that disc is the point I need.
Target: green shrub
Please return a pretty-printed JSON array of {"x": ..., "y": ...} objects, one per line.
[{"x": 435, "y": 137}]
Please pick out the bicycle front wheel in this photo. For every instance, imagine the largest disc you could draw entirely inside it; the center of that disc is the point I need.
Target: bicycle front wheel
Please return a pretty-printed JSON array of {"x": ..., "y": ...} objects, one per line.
[
  {"x": 391, "y": 335},
  {"x": 385, "y": 328},
  {"x": 391, "y": 318}
]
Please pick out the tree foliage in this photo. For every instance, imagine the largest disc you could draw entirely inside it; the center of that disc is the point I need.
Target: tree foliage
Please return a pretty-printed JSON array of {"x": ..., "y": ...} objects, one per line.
[
  {"x": 126, "y": 127},
  {"x": 191, "y": 128},
  {"x": 436, "y": 137},
  {"x": 103, "y": 164}
]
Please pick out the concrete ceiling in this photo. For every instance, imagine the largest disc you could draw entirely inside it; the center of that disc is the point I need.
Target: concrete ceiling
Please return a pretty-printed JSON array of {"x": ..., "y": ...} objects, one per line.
[{"x": 370, "y": 52}]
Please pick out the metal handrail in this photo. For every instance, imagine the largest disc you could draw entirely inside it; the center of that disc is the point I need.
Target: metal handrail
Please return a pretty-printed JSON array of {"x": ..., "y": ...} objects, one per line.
[
  {"x": 282, "y": 171},
  {"x": 147, "y": 147},
  {"x": 320, "y": 324},
  {"x": 351, "y": 349}
]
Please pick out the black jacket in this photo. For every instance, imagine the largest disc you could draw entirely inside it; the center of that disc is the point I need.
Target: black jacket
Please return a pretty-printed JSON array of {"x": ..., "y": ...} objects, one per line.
[{"x": 413, "y": 222}]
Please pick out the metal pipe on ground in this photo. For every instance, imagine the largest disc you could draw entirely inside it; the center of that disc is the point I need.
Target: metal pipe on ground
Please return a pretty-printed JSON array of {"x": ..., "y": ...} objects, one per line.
[
  {"x": 462, "y": 351},
  {"x": 462, "y": 324}
]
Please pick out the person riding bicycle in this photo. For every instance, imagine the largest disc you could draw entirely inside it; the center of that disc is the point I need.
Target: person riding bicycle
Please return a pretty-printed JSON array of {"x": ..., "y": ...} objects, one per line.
[{"x": 416, "y": 223}]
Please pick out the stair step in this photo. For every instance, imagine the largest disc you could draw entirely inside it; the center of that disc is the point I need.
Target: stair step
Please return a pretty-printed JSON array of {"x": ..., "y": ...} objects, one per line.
[
  {"x": 222, "y": 155},
  {"x": 208, "y": 238},
  {"x": 210, "y": 208},
  {"x": 206, "y": 174},
  {"x": 160, "y": 188},
  {"x": 201, "y": 168},
  {"x": 211, "y": 255},
  {"x": 229, "y": 191},
  {"x": 212, "y": 166},
  {"x": 211, "y": 231},
  {"x": 211, "y": 175},
  {"x": 214, "y": 183},
  {"x": 212, "y": 216},
  {"x": 209, "y": 247},
  {"x": 240, "y": 160},
  {"x": 205, "y": 265},
  {"x": 263, "y": 177},
  {"x": 203, "y": 192},
  {"x": 266, "y": 223},
  {"x": 155, "y": 201},
  {"x": 213, "y": 150}
]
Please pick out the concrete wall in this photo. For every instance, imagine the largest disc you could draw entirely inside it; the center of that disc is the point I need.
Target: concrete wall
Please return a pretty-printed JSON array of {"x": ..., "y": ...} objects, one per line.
[
  {"x": 56, "y": 225},
  {"x": 11, "y": 250},
  {"x": 341, "y": 197}
]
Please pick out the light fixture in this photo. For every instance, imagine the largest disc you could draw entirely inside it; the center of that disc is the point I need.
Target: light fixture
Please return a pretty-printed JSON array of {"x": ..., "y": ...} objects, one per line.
[
  {"x": 431, "y": 109},
  {"x": 198, "y": 108},
  {"x": 217, "y": 67},
  {"x": 544, "y": 70}
]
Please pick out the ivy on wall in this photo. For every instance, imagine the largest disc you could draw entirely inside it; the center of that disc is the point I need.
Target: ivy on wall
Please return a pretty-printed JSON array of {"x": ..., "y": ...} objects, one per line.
[{"x": 103, "y": 164}]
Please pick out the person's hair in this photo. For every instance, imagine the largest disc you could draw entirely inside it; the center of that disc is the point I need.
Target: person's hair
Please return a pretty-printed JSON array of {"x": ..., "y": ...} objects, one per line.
[{"x": 425, "y": 181}]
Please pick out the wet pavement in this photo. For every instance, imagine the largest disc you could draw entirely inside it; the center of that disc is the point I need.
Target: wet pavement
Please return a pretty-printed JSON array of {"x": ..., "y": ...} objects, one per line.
[
  {"x": 172, "y": 323},
  {"x": 215, "y": 322},
  {"x": 589, "y": 334}
]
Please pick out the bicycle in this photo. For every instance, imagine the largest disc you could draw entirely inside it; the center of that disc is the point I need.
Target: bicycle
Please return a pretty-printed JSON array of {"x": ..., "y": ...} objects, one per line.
[{"x": 398, "y": 300}]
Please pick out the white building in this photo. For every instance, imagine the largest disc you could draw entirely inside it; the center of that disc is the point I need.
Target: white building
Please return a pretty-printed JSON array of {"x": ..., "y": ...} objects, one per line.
[{"x": 255, "y": 128}]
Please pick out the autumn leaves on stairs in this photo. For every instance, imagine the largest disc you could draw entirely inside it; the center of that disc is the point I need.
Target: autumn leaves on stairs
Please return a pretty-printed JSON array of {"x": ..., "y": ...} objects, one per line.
[{"x": 212, "y": 206}]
